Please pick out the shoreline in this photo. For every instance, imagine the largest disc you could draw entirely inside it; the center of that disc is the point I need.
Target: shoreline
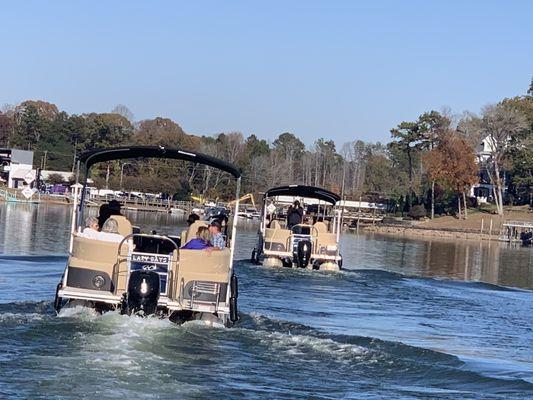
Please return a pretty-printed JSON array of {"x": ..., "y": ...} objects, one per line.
[{"x": 430, "y": 232}]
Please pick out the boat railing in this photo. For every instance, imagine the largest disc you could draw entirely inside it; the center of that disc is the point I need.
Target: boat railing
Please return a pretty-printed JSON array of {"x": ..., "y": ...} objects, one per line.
[{"x": 314, "y": 238}]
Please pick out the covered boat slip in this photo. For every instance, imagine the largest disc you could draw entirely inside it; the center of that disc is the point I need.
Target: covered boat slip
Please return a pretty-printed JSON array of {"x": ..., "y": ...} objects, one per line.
[{"x": 149, "y": 273}]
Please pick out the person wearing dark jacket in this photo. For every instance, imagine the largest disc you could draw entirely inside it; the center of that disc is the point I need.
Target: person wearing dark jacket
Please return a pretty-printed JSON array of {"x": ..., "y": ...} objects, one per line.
[{"x": 295, "y": 215}]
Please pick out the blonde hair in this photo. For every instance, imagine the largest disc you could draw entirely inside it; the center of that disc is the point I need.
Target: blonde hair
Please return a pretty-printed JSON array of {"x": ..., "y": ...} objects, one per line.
[
  {"x": 110, "y": 226},
  {"x": 203, "y": 233},
  {"x": 90, "y": 221}
]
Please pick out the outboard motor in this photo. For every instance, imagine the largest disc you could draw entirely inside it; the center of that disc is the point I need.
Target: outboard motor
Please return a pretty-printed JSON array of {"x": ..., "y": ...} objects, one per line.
[
  {"x": 143, "y": 292},
  {"x": 303, "y": 253}
]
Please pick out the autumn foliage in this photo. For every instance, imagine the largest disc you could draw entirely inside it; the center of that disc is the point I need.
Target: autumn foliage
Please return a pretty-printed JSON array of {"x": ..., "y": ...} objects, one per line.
[{"x": 452, "y": 163}]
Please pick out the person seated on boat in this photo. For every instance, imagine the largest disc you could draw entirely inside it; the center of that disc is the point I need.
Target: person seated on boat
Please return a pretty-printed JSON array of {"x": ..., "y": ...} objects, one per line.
[
  {"x": 295, "y": 215},
  {"x": 91, "y": 229},
  {"x": 215, "y": 228},
  {"x": 114, "y": 208},
  {"x": 193, "y": 217},
  {"x": 201, "y": 241},
  {"x": 109, "y": 232},
  {"x": 107, "y": 210},
  {"x": 103, "y": 215}
]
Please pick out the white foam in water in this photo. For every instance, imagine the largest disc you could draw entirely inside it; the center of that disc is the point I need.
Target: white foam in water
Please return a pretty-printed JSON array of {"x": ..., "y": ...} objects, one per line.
[
  {"x": 21, "y": 318},
  {"x": 79, "y": 312}
]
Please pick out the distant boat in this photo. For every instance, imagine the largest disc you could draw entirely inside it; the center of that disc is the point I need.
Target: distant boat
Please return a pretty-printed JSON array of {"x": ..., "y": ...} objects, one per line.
[
  {"x": 177, "y": 211},
  {"x": 249, "y": 213}
]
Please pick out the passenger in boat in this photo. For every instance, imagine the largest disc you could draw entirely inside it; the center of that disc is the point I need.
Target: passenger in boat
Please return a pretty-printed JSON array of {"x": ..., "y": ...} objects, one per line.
[
  {"x": 193, "y": 217},
  {"x": 109, "y": 232},
  {"x": 91, "y": 230},
  {"x": 201, "y": 241},
  {"x": 215, "y": 228},
  {"x": 103, "y": 215},
  {"x": 295, "y": 215},
  {"x": 107, "y": 210}
]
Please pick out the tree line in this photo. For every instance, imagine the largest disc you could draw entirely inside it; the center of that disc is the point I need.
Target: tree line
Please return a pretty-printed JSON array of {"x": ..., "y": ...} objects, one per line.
[{"x": 430, "y": 163}]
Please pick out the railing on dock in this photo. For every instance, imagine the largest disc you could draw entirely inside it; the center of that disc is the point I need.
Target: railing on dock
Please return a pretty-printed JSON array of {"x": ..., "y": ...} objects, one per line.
[{"x": 513, "y": 229}]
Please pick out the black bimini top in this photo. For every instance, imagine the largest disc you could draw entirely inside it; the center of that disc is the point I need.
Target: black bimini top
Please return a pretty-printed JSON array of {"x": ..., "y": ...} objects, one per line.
[
  {"x": 303, "y": 191},
  {"x": 92, "y": 157}
]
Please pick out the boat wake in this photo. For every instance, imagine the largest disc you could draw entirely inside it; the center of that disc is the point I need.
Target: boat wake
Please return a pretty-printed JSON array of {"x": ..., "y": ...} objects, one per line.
[{"x": 123, "y": 348}]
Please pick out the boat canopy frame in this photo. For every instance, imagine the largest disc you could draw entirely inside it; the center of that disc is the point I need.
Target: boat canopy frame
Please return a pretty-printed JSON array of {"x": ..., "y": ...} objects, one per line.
[
  {"x": 303, "y": 191},
  {"x": 91, "y": 157}
]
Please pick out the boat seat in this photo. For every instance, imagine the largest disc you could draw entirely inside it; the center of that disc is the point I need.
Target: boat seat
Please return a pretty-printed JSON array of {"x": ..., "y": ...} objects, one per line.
[
  {"x": 124, "y": 225},
  {"x": 90, "y": 257},
  {"x": 321, "y": 227},
  {"x": 325, "y": 240},
  {"x": 276, "y": 239},
  {"x": 208, "y": 267},
  {"x": 191, "y": 231},
  {"x": 274, "y": 224}
]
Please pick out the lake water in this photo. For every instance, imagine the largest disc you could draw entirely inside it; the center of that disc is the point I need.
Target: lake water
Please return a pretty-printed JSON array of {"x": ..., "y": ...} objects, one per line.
[{"x": 409, "y": 319}]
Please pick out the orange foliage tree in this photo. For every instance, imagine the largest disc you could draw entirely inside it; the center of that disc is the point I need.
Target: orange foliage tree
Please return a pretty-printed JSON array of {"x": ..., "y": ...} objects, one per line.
[{"x": 452, "y": 163}]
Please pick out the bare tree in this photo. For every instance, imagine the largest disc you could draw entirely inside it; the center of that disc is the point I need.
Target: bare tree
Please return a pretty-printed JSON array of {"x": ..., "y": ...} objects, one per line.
[{"x": 121, "y": 109}]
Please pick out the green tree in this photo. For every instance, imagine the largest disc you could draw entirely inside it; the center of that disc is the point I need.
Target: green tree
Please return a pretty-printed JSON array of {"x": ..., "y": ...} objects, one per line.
[{"x": 408, "y": 138}]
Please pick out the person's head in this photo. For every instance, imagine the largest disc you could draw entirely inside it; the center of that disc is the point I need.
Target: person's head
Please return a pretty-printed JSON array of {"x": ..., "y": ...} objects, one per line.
[
  {"x": 203, "y": 233},
  {"x": 114, "y": 207},
  {"x": 215, "y": 227},
  {"x": 192, "y": 219},
  {"x": 296, "y": 203},
  {"x": 92, "y": 222},
  {"x": 110, "y": 226}
]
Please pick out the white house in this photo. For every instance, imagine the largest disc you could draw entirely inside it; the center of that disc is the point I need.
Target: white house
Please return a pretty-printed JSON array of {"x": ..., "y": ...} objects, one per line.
[
  {"x": 16, "y": 167},
  {"x": 483, "y": 191}
]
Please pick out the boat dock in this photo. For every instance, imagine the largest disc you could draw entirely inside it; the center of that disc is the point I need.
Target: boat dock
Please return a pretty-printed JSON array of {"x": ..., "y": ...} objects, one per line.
[
  {"x": 513, "y": 229},
  {"x": 156, "y": 205}
]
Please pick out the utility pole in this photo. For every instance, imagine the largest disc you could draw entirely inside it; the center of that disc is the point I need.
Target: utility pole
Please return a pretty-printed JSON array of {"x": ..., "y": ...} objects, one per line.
[
  {"x": 44, "y": 159},
  {"x": 107, "y": 178},
  {"x": 122, "y": 174},
  {"x": 74, "y": 159}
]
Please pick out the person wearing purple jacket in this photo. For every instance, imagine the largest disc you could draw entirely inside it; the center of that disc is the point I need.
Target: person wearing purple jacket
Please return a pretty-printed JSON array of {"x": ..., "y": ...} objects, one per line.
[{"x": 201, "y": 241}]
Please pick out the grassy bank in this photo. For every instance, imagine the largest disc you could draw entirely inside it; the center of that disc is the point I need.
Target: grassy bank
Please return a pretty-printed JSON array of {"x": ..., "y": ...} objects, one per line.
[{"x": 479, "y": 225}]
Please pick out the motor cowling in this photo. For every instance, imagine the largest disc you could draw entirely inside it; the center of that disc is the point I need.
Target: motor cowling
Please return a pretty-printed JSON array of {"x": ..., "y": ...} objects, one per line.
[
  {"x": 303, "y": 253},
  {"x": 143, "y": 292}
]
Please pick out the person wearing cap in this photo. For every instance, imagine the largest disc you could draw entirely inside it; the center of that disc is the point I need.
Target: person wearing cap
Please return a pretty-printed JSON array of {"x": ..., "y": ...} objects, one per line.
[
  {"x": 217, "y": 239},
  {"x": 295, "y": 215}
]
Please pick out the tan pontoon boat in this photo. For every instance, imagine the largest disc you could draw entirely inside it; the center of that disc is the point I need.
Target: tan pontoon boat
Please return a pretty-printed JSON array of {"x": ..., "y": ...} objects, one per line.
[
  {"x": 149, "y": 273},
  {"x": 312, "y": 242}
]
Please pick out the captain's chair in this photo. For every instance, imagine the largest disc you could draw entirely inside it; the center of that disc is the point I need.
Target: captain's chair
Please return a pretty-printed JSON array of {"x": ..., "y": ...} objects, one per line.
[
  {"x": 124, "y": 225},
  {"x": 274, "y": 224},
  {"x": 321, "y": 227}
]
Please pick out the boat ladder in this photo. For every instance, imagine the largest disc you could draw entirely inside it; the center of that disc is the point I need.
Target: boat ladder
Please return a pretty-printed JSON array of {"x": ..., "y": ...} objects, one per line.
[{"x": 200, "y": 288}]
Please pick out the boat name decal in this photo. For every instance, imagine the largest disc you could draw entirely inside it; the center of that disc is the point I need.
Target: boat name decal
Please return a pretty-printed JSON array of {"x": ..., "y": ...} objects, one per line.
[{"x": 150, "y": 258}]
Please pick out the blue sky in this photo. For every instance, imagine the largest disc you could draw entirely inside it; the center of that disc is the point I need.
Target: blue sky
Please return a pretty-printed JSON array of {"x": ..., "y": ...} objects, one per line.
[{"x": 341, "y": 70}]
